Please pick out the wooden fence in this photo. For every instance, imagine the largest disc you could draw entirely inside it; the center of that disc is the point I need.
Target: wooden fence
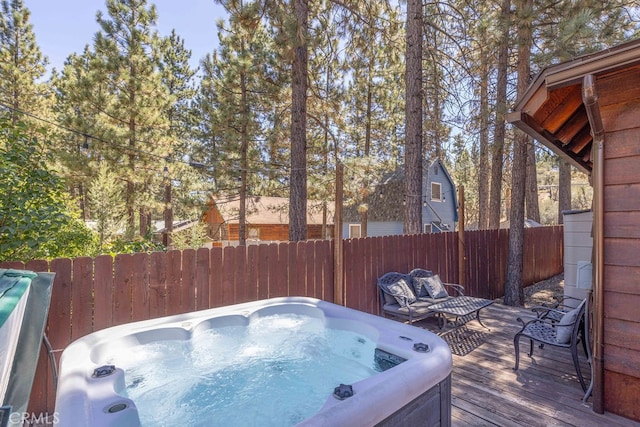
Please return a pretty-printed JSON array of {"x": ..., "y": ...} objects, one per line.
[{"x": 94, "y": 293}]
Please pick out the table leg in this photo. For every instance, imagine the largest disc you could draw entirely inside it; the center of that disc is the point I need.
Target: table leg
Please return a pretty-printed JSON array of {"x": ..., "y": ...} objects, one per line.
[{"x": 480, "y": 321}]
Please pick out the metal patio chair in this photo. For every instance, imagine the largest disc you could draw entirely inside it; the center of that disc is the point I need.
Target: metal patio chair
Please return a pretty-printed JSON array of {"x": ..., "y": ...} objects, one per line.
[{"x": 565, "y": 333}]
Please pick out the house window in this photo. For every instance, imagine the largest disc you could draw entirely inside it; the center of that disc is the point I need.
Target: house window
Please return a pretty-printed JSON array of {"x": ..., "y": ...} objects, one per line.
[
  {"x": 427, "y": 228},
  {"x": 436, "y": 192},
  {"x": 354, "y": 231},
  {"x": 253, "y": 233}
]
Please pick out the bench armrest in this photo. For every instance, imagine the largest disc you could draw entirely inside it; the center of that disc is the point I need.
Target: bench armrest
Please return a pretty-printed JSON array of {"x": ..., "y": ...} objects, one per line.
[{"x": 458, "y": 288}]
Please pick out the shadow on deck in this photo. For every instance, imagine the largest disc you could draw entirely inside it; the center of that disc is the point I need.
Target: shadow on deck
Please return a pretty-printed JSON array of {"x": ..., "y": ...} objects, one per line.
[{"x": 486, "y": 391}]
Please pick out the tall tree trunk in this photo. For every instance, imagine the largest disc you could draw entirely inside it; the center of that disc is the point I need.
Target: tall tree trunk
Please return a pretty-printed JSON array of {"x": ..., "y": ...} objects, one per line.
[
  {"x": 325, "y": 165},
  {"x": 413, "y": 126},
  {"x": 497, "y": 152},
  {"x": 244, "y": 146},
  {"x": 564, "y": 189},
  {"x": 145, "y": 221},
  {"x": 483, "y": 171},
  {"x": 298, "y": 174},
  {"x": 532, "y": 204},
  {"x": 130, "y": 196},
  {"x": 514, "y": 293},
  {"x": 364, "y": 217},
  {"x": 168, "y": 213}
]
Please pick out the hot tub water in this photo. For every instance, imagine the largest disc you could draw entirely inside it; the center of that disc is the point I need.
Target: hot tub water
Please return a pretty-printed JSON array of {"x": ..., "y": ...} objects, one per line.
[{"x": 278, "y": 371}]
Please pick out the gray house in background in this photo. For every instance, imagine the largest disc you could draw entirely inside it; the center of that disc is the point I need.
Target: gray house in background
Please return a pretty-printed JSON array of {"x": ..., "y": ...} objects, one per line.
[{"x": 385, "y": 213}]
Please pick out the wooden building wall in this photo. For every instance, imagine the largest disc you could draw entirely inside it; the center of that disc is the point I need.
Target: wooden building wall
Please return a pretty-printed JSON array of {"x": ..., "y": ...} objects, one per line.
[
  {"x": 220, "y": 230},
  {"x": 275, "y": 232},
  {"x": 620, "y": 106}
]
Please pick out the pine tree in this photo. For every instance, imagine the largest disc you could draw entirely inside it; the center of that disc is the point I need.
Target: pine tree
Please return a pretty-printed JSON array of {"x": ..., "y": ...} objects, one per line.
[
  {"x": 514, "y": 293},
  {"x": 75, "y": 110},
  {"x": 497, "y": 149},
  {"x": 107, "y": 207},
  {"x": 22, "y": 64},
  {"x": 439, "y": 63},
  {"x": 177, "y": 78},
  {"x": 236, "y": 101},
  {"x": 299, "y": 80},
  {"x": 372, "y": 100},
  {"x": 325, "y": 109},
  {"x": 133, "y": 105},
  {"x": 484, "y": 71},
  {"x": 413, "y": 114}
]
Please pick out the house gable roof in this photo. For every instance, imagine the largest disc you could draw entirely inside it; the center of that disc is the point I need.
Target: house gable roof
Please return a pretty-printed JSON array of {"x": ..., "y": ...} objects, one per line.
[
  {"x": 270, "y": 210},
  {"x": 552, "y": 109},
  {"x": 386, "y": 203}
]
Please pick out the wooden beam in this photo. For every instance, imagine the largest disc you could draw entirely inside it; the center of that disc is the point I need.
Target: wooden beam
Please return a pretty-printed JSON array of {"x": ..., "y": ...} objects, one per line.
[
  {"x": 573, "y": 126},
  {"x": 561, "y": 104},
  {"x": 528, "y": 124}
]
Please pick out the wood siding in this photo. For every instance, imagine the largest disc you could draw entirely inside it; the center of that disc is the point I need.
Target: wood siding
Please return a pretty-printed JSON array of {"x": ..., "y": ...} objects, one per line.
[
  {"x": 95, "y": 293},
  {"x": 274, "y": 232},
  {"x": 620, "y": 103},
  {"x": 221, "y": 230},
  {"x": 376, "y": 228},
  {"x": 444, "y": 210}
]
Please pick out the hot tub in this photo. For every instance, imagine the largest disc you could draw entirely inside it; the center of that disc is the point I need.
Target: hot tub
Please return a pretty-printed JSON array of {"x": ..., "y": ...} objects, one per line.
[
  {"x": 24, "y": 306},
  {"x": 411, "y": 382},
  {"x": 14, "y": 293}
]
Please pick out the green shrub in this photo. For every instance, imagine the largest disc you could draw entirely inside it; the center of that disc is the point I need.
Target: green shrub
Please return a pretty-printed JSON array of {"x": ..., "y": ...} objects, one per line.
[{"x": 36, "y": 219}]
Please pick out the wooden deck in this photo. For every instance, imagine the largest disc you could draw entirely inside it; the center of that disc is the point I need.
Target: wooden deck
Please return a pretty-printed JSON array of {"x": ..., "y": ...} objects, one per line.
[{"x": 545, "y": 391}]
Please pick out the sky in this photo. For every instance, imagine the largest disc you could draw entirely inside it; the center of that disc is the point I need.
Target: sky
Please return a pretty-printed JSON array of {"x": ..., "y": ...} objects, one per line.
[{"x": 63, "y": 27}]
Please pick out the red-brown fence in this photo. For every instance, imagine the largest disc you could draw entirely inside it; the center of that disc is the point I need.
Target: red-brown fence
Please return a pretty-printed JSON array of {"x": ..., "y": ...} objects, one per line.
[{"x": 94, "y": 293}]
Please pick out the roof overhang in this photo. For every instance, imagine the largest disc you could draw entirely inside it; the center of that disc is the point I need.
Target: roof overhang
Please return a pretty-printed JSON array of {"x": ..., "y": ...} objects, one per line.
[{"x": 552, "y": 110}]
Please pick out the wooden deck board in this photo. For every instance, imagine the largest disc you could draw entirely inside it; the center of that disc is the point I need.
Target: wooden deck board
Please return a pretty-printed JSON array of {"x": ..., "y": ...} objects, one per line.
[{"x": 545, "y": 390}]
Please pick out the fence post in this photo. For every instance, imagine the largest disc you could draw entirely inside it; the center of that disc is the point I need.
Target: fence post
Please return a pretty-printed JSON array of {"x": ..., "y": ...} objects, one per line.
[
  {"x": 338, "y": 269},
  {"x": 462, "y": 260}
]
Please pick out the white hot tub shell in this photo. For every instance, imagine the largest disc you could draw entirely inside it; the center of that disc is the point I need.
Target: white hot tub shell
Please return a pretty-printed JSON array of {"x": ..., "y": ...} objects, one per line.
[{"x": 418, "y": 388}]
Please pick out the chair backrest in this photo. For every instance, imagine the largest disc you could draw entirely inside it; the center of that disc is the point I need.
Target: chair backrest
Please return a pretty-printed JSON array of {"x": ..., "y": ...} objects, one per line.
[
  {"x": 420, "y": 272},
  {"x": 391, "y": 277},
  {"x": 576, "y": 325},
  {"x": 388, "y": 279}
]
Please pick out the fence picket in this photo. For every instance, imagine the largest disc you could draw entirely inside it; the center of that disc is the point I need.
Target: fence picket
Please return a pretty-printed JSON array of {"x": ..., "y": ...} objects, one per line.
[
  {"x": 299, "y": 283},
  {"x": 227, "y": 272},
  {"x": 202, "y": 278},
  {"x": 140, "y": 309},
  {"x": 102, "y": 292},
  {"x": 157, "y": 284},
  {"x": 264, "y": 261},
  {"x": 173, "y": 282},
  {"x": 241, "y": 292},
  {"x": 59, "y": 322},
  {"x": 82, "y": 297},
  {"x": 215, "y": 278},
  {"x": 122, "y": 291},
  {"x": 188, "y": 285},
  {"x": 293, "y": 267}
]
